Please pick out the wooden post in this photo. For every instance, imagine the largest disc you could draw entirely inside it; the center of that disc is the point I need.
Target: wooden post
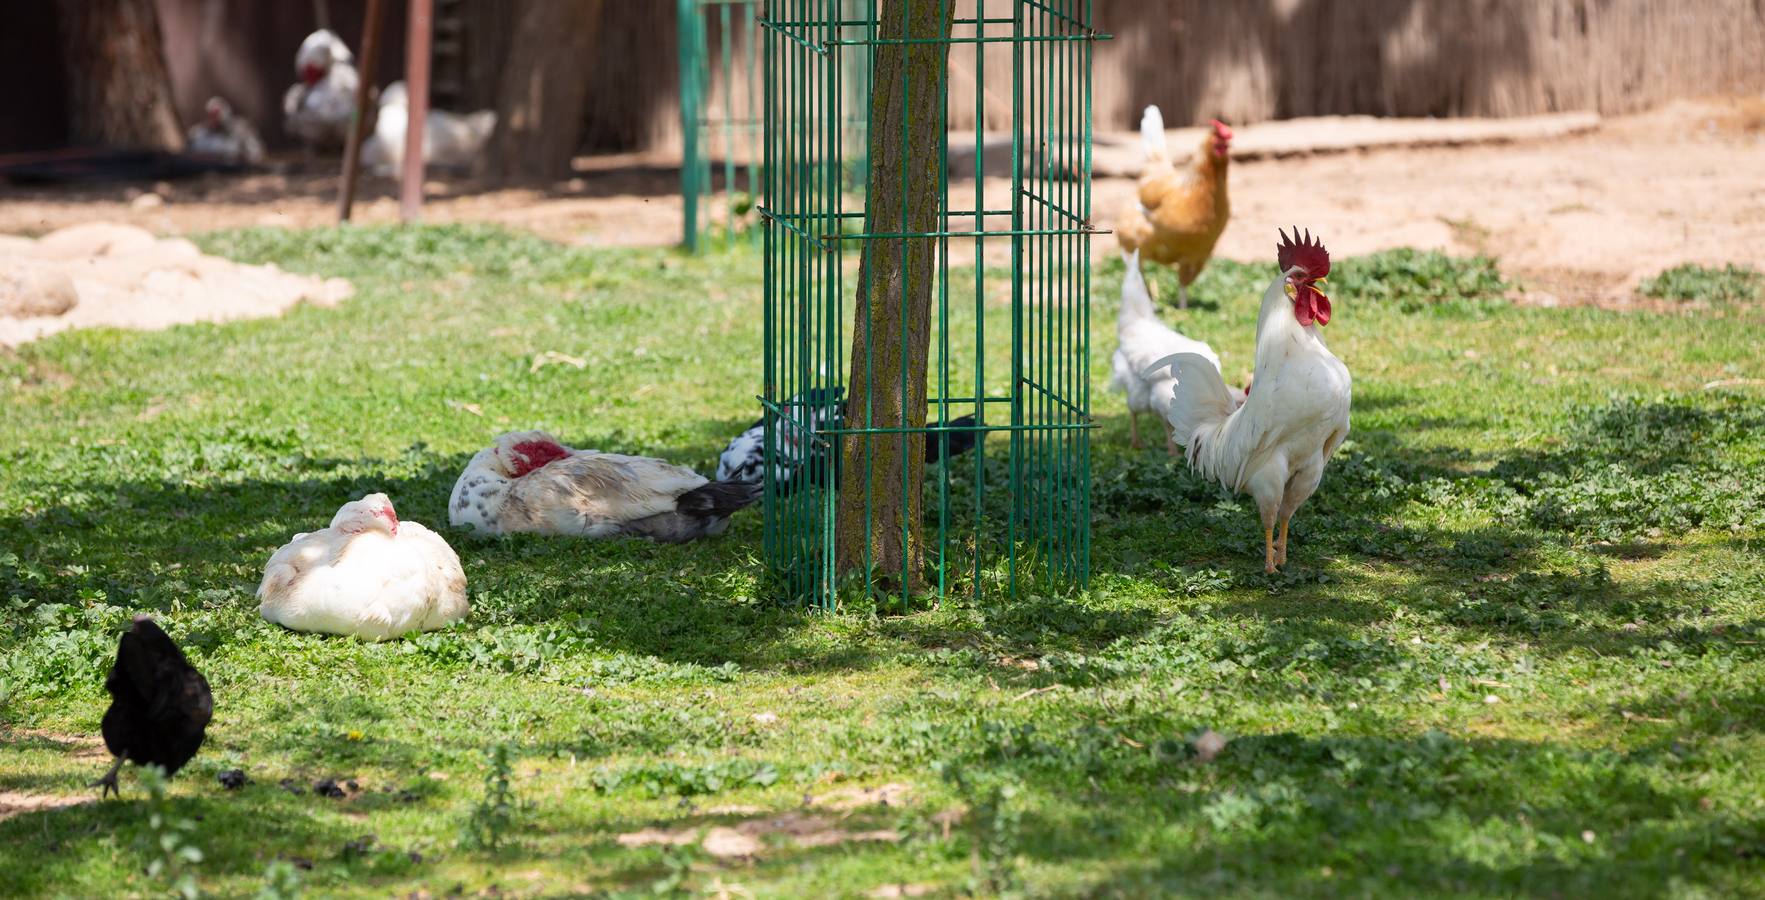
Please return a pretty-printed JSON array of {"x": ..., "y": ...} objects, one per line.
[
  {"x": 416, "y": 80},
  {"x": 364, "y": 89}
]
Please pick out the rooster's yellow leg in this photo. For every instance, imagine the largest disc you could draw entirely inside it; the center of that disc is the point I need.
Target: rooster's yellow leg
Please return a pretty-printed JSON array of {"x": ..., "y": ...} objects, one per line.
[
  {"x": 1268, "y": 550},
  {"x": 1281, "y": 545}
]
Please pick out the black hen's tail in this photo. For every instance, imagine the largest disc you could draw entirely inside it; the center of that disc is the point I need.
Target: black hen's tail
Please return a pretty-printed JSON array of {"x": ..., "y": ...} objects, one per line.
[
  {"x": 960, "y": 441},
  {"x": 718, "y": 499}
]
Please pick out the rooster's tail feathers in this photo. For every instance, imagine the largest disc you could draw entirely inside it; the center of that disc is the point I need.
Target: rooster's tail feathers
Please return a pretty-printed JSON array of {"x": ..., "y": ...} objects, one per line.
[
  {"x": 1199, "y": 402},
  {"x": 1152, "y": 135}
]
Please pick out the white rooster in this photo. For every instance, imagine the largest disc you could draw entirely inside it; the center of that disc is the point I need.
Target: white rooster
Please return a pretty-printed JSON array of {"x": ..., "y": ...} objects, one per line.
[
  {"x": 368, "y": 575},
  {"x": 1275, "y": 445},
  {"x": 450, "y": 140},
  {"x": 529, "y": 482},
  {"x": 318, "y": 109},
  {"x": 226, "y": 135},
  {"x": 1142, "y": 341}
]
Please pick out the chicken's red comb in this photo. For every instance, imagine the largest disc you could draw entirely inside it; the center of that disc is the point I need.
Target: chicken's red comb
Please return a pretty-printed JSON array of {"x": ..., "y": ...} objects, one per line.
[
  {"x": 1308, "y": 253},
  {"x": 1221, "y": 129}
]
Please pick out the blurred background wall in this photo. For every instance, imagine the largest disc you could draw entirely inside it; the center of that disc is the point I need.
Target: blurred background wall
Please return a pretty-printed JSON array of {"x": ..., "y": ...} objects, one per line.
[{"x": 1243, "y": 60}]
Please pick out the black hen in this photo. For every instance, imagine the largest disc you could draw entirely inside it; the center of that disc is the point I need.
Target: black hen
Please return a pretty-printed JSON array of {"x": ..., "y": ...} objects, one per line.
[
  {"x": 744, "y": 459},
  {"x": 159, "y": 704}
]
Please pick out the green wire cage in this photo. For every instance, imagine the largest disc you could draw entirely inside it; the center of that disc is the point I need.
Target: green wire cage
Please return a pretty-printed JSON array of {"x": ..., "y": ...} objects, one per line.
[
  {"x": 720, "y": 116},
  {"x": 1008, "y": 359}
]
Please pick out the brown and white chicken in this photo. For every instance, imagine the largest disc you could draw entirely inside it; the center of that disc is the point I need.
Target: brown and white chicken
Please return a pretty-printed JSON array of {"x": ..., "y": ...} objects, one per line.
[
  {"x": 368, "y": 574},
  {"x": 529, "y": 482},
  {"x": 1177, "y": 216},
  {"x": 1275, "y": 445}
]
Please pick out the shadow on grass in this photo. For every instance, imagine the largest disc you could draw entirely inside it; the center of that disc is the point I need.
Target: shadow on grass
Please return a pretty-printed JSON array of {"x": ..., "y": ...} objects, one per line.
[
  {"x": 1401, "y": 816},
  {"x": 167, "y": 545}
]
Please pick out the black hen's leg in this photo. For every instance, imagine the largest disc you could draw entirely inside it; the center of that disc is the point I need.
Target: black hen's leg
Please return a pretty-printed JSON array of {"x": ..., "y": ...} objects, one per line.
[{"x": 109, "y": 780}]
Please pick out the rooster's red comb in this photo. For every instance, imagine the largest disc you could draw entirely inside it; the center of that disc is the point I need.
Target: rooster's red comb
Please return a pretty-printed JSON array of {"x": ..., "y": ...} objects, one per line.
[
  {"x": 1221, "y": 129},
  {"x": 1307, "y": 252}
]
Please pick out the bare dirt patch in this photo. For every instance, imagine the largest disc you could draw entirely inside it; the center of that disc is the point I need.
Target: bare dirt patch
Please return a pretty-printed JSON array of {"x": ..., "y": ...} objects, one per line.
[
  {"x": 1580, "y": 219},
  {"x": 14, "y": 803},
  {"x": 748, "y": 838},
  {"x": 102, "y": 273},
  {"x": 801, "y": 828}
]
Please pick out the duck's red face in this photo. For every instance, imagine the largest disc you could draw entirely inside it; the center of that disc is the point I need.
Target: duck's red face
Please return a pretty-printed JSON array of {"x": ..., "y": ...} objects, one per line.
[
  {"x": 386, "y": 513},
  {"x": 526, "y": 456},
  {"x": 1312, "y": 261}
]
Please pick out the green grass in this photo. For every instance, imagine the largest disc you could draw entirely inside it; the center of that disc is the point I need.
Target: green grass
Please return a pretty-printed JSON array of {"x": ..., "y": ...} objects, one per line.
[
  {"x": 1518, "y": 650},
  {"x": 1702, "y": 283}
]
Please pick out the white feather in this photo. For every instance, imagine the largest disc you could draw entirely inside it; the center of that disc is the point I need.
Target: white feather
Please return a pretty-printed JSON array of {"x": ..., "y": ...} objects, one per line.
[
  {"x": 585, "y": 493},
  {"x": 1152, "y": 138},
  {"x": 1274, "y": 446},
  {"x": 450, "y": 140},
  {"x": 320, "y": 113},
  {"x": 371, "y": 584},
  {"x": 1143, "y": 341}
]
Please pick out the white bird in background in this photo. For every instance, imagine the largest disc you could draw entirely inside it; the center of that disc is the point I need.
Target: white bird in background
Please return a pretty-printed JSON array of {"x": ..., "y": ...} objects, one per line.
[
  {"x": 368, "y": 575},
  {"x": 225, "y": 135},
  {"x": 1275, "y": 445},
  {"x": 318, "y": 109},
  {"x": 1142, "y": 341},
  {"x": 450, "y": 140},
  {"x": 529, "y": 482}
]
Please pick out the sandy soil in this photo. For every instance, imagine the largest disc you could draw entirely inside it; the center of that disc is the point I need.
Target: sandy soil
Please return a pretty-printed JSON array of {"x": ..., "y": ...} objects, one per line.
[
  {"x": 102, "y": 273},
  {"x": 1578, "y": 218}
]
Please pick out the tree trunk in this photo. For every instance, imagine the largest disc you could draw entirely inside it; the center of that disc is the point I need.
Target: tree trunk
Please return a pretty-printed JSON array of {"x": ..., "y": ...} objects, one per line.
[
  {"x": 544, "y": 86},
  {"x": 894, "y": 298},
  {"x": 119, "y": 89}
]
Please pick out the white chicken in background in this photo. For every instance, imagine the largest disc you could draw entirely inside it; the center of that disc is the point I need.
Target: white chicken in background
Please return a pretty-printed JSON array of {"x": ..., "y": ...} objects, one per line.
[
  {"x": 529, "y": 482},
  {"x": 450, "y": 140},
  {"x": 225, "y": 135},
  {"x": 1275, "y": 445},
  {"x": 1142, "y": 341},
  {"x": 318, "y": 109},
  {"x": 367, "y": 575}
]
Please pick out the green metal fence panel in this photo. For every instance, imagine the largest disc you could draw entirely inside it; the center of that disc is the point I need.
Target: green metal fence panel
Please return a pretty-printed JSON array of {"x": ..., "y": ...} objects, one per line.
[
  {"x": 1016, "y": 511},
  {"x": 719, "y": 117}
]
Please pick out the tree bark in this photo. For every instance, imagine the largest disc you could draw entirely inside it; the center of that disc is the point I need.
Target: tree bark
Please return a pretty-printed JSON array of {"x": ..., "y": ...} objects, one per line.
[
  {"x": 545, "y": 84},
  {"x": 119, "y": 88},
  {"x": 894, "y": 298}
]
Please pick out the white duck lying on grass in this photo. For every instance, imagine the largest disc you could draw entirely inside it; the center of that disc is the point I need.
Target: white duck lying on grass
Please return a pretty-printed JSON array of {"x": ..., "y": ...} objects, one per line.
[
  {"x": 368, "y": 575},
  {"x": 529, "y": 482}
]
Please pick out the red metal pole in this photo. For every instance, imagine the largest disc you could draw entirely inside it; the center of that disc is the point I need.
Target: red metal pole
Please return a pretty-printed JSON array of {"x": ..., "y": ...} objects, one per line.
[
  {"x": 416, "y": 80},
  {"x": 352, "y": 148}
]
